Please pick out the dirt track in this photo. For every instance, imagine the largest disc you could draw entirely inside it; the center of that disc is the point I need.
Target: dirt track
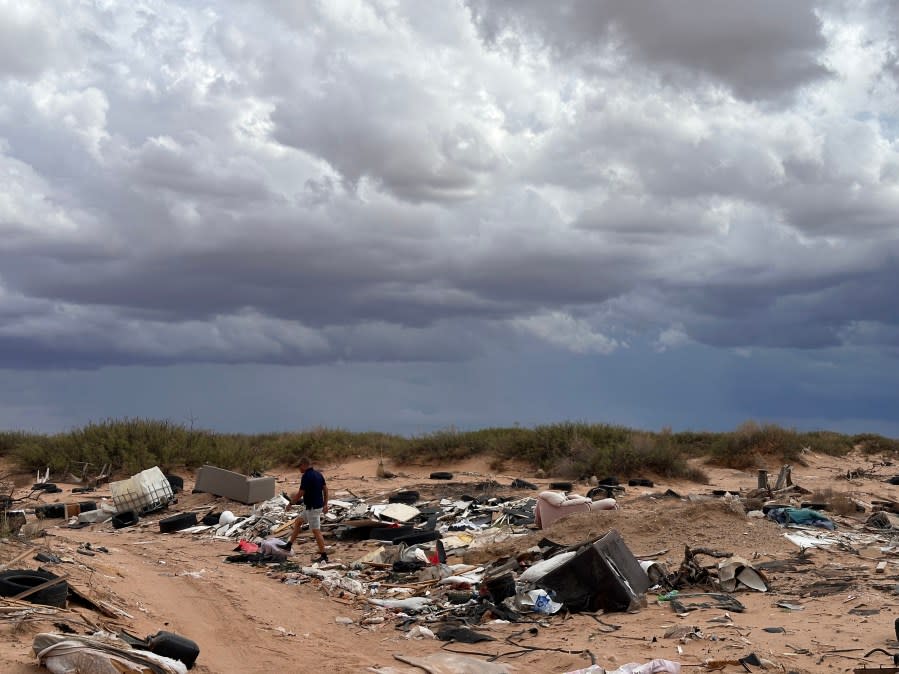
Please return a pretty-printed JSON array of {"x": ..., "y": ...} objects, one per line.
[{"x": 248, "y": 622}]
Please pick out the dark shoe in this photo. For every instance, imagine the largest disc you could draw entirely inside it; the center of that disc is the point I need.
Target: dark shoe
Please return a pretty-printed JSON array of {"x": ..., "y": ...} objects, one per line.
[
  {"x": 285, "y": 546},
  {"x": 321, "y": 559}
]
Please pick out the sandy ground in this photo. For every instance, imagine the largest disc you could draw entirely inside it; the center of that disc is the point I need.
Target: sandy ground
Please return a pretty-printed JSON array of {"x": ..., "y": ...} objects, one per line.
[{"x": 247, "y": 621}]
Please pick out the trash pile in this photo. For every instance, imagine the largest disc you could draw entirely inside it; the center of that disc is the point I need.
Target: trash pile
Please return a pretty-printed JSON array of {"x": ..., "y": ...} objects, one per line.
[
  {"x": 456, "y": 563},
  {"x": 415, "y": 571}
]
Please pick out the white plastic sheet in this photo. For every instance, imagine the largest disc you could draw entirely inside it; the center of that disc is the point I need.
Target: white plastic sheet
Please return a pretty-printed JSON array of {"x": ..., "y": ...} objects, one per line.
[{"x": 100, "y": 654}]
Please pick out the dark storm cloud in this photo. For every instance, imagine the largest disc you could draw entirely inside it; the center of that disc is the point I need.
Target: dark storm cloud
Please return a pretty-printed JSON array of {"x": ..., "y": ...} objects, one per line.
[
  {"x": 375, "y": 181},
  {"x": 759, "y": 49}
]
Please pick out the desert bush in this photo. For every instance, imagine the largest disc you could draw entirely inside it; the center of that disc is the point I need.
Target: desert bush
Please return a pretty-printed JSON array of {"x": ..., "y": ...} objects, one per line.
[
  {"x": 692, "y": 443},
  {"x": 624, "y": 454},
  {"x": 454, "y": 445},
  {"x": 10, "y": 440},
  {"x": 871, "y": 443},
  {"x": 751, "y": 443},
  {"x": 826, "y": 442},
  {"x": 570, "y": 449}
]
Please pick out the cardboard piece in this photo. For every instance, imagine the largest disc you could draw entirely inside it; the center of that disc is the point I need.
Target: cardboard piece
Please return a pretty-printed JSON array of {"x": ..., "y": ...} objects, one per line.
[{"x": 400, "y": 512}]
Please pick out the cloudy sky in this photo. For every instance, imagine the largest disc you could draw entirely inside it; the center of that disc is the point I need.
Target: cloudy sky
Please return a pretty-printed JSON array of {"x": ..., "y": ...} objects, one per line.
[{"x": 404, "y": 215}]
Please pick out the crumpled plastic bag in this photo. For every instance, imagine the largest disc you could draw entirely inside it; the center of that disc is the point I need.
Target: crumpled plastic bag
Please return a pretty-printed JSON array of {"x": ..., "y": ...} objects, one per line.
[
  {"x": 102, "y": 653},
  {"x": 336, "y": 584},
  {"x": 537, "y": 601}
]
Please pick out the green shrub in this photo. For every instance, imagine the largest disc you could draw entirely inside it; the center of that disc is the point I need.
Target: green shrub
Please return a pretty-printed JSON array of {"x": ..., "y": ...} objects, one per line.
[
  {"x": 568, "y": 449},
  {"x": 871, "y": 443},
  {"x": 751, "y": 443}
]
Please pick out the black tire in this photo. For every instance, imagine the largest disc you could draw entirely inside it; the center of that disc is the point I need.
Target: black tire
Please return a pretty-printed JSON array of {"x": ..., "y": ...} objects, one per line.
[
  {"x": 178, "y": 522},
  {"x": 441, "y": 475},
  {"x": 610, "y": 481},
  {"x": 16, "y": 581},
  {"x": 211, "y": 519},
  {"x": 407, "y": 497},
  {"x": 390, "y": 533},
  {"x": 599, "y": 492},
  {"x": 51, "y": 511},
  {"x": 518, "y": 483},
  {"x": 44, "y": 486},
  {"x": 639, "y": 482},
  {"x": 176, "y": 483},
  {"x": 459, "y": 596},
  {"x": 124, "y": 519},
  {"x": 561, "y": 486},
  {"x": 87, "y": 506}
]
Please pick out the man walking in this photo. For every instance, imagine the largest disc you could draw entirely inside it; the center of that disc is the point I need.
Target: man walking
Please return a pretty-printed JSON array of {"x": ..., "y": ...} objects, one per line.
[{"x": 314, "y": 493}]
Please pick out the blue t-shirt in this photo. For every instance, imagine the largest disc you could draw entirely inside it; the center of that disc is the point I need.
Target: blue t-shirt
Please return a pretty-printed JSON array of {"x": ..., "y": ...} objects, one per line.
[{"x": 313, "y": 485}]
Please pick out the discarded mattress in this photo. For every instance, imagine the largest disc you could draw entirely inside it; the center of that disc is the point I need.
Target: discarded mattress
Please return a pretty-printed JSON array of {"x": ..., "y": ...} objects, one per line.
[{"x": 552, "y": 506}]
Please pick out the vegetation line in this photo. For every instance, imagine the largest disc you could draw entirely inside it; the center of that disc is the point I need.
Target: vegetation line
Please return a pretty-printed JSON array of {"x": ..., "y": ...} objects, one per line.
[{"x": 571, "y": 450}]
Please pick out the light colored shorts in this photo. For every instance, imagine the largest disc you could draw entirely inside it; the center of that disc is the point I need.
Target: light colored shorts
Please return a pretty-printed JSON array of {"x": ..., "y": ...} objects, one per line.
[{"x": 313, "y": 517}]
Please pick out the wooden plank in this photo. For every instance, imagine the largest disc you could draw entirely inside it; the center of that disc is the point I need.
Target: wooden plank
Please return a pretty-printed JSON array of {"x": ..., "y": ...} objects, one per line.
[
  {"x": 284, "y": 528},
  {"x": 37, "y": 588}
]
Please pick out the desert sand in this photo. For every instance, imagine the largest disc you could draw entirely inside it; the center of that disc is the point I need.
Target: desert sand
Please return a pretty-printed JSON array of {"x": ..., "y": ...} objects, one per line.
[{"x": 246, "y": 621}]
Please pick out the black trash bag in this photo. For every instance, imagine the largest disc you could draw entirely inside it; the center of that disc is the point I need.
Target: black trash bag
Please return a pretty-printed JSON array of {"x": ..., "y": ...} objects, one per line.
[{"x": 171, "y": 645}]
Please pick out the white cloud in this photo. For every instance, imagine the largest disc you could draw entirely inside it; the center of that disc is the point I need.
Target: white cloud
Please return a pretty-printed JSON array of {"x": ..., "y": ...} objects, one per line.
[
  {"x": 567, "y": 332},
  {"x": 672, "y": 337}
]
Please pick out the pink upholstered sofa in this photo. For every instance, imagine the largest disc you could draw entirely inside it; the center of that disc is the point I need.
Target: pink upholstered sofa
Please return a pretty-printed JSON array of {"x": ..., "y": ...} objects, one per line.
[{"x": 554, "y": 505}]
